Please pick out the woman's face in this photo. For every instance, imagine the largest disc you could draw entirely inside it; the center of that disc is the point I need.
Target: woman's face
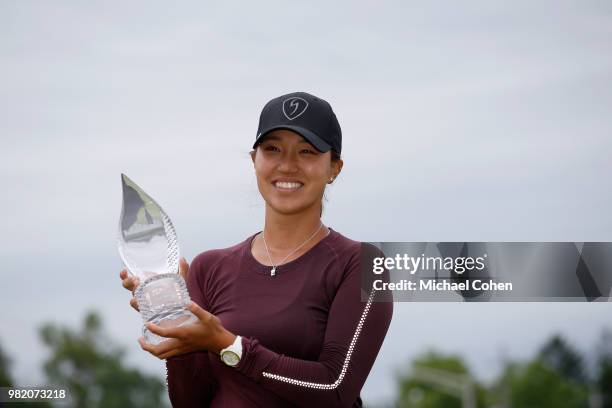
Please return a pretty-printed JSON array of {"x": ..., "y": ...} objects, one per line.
[{"x": 291, "y": 173}]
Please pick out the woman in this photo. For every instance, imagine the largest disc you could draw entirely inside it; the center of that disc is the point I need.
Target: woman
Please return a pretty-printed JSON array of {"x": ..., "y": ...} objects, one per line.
[{"x": 282, "y": 320}]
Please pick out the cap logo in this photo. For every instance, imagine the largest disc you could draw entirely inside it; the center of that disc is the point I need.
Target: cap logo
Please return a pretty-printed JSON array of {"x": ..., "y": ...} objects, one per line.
[{"x": 294, "y": 107}]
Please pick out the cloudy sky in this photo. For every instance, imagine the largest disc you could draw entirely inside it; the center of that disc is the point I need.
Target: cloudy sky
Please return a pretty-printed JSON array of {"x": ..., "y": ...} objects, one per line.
[{"x": 487, "y": 121}]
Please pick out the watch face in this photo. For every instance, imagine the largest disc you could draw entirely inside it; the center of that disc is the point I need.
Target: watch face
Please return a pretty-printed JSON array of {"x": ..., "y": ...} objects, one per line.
[{"x": 230, "y": 358}]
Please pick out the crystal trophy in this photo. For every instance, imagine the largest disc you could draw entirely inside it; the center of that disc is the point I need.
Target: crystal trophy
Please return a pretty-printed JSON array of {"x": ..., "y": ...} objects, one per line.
[{"x": 150, "y": 251}]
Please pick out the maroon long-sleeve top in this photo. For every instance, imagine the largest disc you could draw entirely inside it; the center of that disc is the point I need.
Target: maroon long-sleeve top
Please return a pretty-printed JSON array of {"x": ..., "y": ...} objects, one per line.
[{"x": 309, "y": 335}]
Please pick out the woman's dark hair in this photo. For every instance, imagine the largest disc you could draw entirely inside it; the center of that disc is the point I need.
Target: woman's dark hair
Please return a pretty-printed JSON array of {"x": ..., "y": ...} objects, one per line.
[{"x": 335, "y": 156}]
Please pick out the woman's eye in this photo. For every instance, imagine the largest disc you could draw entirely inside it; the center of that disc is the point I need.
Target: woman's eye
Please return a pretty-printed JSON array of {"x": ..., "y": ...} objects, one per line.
[
  {"x": 308, "y": 151},
  {"x": 271, "y": 148}
]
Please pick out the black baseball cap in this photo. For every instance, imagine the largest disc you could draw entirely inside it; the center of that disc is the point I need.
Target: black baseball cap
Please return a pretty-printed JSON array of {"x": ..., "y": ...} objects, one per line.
[{"x": 305, "y": 114}]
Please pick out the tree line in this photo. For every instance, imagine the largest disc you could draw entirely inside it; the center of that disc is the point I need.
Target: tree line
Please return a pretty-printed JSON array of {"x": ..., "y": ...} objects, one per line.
[
  {"x": 91, "y": 367},
  {"x": 558, "y": 376}
]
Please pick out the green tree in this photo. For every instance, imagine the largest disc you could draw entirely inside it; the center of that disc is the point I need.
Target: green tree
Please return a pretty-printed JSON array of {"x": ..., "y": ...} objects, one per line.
[
  {"x": 92, "y": 369},
  {"x": 438, "y": 381},
  {"x": 7, "y": 381},
  {"x": 604, "y": 382},
  {"x": 537, "y": 385},
  {"x": 5, "y": 376},
  {"x": 556, "y": 377},
  {"x": 559, "y": 356},
  {"x": 604, "y": 369}
]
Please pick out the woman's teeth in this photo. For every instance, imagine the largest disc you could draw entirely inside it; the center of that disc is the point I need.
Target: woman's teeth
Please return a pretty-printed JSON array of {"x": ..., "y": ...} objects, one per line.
[{"x": 287, "y": 185}]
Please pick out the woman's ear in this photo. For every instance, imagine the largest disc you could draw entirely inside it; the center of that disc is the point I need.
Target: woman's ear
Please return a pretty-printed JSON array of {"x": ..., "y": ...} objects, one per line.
[
  {"x": 337, "y": 168},
  {"x": 252, "y": 153}
]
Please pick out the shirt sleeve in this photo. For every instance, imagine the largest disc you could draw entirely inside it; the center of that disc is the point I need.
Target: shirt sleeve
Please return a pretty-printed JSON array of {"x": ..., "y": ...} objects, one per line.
[
  {"x": 190, "y": 382},
  {"x": 355, "y": 332},
  {"x": 190, "y": 379}
]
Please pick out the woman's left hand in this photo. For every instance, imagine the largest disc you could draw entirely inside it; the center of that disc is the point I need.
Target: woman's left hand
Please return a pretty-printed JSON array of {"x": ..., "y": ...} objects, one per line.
[{"x": 205, "y": 334}]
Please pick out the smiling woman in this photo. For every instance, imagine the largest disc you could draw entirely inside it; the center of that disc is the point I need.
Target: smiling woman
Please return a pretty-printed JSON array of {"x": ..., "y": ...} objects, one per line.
[
  {"x": 281, "y": 317},
  {"x": 291, "y": 172}
]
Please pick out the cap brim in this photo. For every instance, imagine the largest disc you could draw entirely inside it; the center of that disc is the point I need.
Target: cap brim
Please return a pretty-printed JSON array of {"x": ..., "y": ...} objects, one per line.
[{"x": 315, "y": 140}]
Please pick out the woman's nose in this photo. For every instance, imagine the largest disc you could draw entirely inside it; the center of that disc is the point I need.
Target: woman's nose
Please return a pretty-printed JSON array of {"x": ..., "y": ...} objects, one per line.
[{"x": 288, "y": 163}]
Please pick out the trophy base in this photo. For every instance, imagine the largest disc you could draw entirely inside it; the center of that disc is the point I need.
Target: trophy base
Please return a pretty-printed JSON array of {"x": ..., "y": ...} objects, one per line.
[
  {"x": 182, "y": 317},
  {"x": 162, "y": 300}
]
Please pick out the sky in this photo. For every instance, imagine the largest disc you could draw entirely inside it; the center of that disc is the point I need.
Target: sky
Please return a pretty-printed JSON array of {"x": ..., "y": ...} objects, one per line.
[{"x": 484, "y": 121}]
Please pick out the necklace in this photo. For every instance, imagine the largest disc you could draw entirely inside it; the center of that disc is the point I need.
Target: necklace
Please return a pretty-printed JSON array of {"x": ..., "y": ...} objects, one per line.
[{"x": 273, "y": 271}]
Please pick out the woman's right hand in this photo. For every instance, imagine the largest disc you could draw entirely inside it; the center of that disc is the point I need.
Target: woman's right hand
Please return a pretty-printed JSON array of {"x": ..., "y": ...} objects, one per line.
[{"x": 132, "y": 282}]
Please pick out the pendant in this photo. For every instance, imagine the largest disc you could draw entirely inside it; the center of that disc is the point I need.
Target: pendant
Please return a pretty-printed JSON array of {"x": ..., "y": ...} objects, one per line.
[{"x": 273, "y": 271}]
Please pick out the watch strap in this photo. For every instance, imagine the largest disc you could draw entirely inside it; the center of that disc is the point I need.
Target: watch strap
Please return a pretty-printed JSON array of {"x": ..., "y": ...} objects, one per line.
[{"x": 228, "y": 355}]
